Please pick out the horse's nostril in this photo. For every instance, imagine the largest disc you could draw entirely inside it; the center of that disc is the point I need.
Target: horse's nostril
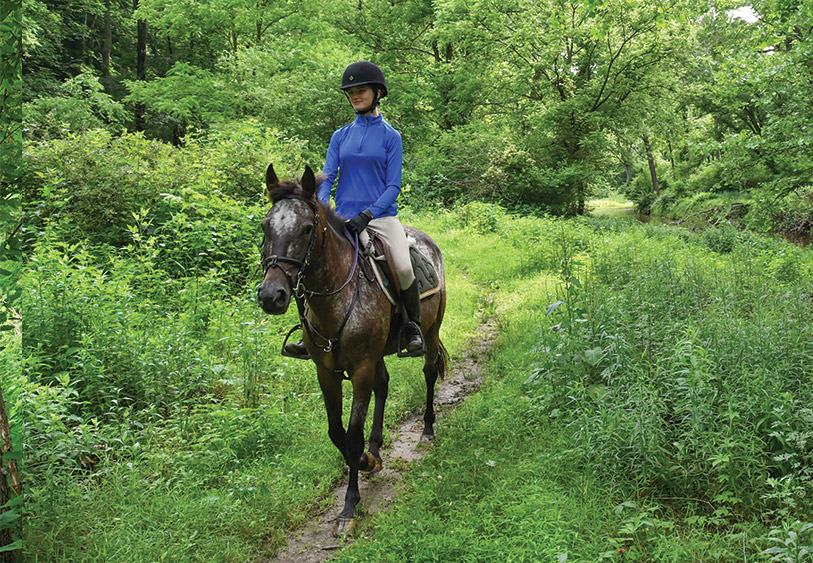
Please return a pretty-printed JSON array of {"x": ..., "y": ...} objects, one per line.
[{"x": 281, "y": 298}]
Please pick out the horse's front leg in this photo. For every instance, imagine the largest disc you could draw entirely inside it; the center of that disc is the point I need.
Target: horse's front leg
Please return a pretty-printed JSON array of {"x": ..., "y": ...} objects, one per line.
[
  {"x": 362, "y": 379},
  {"x": 381, "y": 389},
  {"x": 331, "y": 385}
]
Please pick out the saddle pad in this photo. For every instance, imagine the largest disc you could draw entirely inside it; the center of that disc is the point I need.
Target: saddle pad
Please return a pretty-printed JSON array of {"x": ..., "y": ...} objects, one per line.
[{"x": 425, "y": 273}]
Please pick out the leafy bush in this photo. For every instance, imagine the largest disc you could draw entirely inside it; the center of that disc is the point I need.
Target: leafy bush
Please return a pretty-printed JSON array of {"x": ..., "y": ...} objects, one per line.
[
  {"x": 721, "y": 238},
  {"x": 203, "y": 205},
  {"x": 480, "y": 217},
  {"x": 89, "y": 186}
]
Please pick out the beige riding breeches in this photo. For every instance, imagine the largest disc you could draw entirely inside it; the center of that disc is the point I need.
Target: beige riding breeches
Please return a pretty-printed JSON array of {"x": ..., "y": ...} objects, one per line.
[{"x": 391, "y": 231}]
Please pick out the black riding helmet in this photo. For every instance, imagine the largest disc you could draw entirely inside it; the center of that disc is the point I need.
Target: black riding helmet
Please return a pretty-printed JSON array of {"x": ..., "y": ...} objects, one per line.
[{"x": 364, "y": 72}]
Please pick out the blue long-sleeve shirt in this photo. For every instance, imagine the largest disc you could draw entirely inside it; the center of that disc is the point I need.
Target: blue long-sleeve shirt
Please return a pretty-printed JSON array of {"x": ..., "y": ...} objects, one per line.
[{"x": 367, "y": 156}]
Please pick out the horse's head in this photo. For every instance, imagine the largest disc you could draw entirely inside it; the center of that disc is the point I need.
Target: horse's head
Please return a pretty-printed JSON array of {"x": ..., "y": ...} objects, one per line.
[{"x": 290, "y": 233}]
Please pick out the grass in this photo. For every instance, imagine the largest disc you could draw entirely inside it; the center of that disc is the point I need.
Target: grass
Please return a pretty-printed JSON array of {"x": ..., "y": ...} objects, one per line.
[
  {"x": 659, "y": 412},
  {"x": 609, "y": 203},
  {"x": 565, "y": 454}
]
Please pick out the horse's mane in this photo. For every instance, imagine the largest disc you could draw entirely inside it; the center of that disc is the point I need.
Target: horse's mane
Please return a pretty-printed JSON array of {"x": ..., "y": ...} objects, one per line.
[{"x": 288, "y": 189}]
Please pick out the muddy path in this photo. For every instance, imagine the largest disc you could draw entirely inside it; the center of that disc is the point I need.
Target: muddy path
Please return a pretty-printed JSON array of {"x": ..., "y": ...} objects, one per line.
[{"x": 313, "y": 542}]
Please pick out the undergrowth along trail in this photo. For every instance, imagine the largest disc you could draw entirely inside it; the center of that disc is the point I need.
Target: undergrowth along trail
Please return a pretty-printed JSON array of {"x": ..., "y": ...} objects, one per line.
[{"x": 647, "y": 398}]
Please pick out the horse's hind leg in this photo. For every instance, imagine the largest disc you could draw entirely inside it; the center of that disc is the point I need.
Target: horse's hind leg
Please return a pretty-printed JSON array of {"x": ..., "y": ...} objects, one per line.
[
  {"x": 434, "y": 365},
  {"x": 380, "y": 388}
]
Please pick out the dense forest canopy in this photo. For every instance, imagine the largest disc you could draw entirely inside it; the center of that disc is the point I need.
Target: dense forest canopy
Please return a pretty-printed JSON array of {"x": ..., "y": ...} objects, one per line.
[{"x": 536, "y": 104}]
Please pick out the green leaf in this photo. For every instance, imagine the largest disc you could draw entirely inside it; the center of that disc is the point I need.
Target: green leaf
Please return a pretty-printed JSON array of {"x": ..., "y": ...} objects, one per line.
[
  {"x": 552, "y": 308},
  {"x": 13, "y": 546}
]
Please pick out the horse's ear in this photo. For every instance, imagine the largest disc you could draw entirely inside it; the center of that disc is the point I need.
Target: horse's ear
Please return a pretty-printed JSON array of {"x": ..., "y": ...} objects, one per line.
[
  {"x": 271, "y": 179},
  {"x": 309, "y": 181}
]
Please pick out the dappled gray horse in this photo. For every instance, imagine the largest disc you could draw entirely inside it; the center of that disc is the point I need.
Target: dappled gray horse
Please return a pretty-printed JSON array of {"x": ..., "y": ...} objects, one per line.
[{"x": 348, "y": 323}]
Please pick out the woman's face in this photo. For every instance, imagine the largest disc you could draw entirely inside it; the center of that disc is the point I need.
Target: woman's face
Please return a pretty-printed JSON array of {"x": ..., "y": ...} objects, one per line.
[{"x": 361, "y": 97}]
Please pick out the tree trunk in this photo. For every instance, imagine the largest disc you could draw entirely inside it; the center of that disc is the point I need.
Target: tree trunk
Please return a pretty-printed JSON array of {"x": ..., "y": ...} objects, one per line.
[
  {"x": 8, "y": 473},
  {"x": 141, "y": 66},
  {"x": 83, "y": 39},
  {"x": 651, "y": 160},
  {"x": 107, "y": 43}
]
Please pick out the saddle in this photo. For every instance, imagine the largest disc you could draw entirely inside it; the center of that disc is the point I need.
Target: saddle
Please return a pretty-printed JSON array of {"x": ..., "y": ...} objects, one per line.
[
  {"x": 377, "y": 263},
  {"x": 379, "y": 260}
]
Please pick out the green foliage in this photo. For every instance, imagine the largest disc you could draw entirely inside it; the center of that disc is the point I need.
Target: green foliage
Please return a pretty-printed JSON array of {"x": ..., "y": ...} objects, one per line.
[
  {"x": 796, "y": 545},
  {"x": 81, "y": 105},
  {"x": 657, "y": 361},
  {"x": 91, "y": 184},
  {"x": 192, "y": 96},
  {"x": 96, "y": 187}
]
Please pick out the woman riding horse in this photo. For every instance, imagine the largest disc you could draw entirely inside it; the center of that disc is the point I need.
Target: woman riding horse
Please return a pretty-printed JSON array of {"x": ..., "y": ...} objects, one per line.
[{"x": 367, "y": 155}]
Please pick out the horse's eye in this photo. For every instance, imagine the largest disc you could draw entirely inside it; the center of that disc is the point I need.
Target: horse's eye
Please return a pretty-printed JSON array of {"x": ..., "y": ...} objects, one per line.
[{"x": 307, "y": 230}]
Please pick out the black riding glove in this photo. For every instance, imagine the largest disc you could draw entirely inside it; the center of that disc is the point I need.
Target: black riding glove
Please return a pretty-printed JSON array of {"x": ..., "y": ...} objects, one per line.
[{"x": 359, "y": 222}]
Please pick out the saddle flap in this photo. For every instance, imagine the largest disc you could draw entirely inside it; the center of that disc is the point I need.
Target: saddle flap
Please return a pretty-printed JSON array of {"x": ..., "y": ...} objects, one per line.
[{"x": 425, "y": 273}]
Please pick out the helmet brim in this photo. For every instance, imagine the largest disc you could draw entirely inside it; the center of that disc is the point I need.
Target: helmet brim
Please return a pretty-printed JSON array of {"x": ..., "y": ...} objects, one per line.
[{"x": 346, "y": 87}]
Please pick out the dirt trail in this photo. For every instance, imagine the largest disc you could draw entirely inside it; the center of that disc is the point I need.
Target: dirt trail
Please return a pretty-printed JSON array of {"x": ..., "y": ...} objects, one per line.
[{"x": 314, "y": 543}]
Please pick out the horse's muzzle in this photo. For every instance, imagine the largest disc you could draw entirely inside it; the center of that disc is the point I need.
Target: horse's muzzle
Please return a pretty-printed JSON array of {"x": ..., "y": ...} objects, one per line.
[{"x": 273, "y": 300}]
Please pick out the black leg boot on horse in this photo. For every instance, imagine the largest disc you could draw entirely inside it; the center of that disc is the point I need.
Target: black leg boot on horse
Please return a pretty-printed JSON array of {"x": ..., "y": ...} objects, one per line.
[{"x": 410, "y": 334}]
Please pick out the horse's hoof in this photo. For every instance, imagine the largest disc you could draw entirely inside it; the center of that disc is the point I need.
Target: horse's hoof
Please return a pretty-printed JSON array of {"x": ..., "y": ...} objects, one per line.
[
  {"x": 426, "y": 439},
  {"x": 373, "y": 464},
  {"x": 343, "y": 527}
]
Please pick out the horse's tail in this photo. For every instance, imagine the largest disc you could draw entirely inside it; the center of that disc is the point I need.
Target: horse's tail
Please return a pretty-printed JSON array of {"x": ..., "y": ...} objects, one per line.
[{"x": 442, "y": 361}]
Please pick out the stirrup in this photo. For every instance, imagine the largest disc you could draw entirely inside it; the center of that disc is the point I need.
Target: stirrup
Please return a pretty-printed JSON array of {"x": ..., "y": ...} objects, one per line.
[
  {"x": 405, "y": 353},
  {"x": 292, "y": 350}
]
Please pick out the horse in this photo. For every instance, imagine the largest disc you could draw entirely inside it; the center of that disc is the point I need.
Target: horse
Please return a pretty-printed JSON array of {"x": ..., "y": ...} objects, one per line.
[{"x": 348, "y": 323}]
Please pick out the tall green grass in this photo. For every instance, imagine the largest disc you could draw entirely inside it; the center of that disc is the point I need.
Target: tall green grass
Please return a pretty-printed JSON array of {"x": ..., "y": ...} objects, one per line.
[{"x": 650, "y": 403}]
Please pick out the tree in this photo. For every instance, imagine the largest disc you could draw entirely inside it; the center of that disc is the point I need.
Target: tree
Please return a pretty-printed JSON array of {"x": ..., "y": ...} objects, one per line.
[{"x": 570, "y": 69}]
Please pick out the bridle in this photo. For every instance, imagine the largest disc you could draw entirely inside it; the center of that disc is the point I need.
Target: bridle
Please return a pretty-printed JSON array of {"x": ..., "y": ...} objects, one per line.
[{"x": 297, "y": 286}]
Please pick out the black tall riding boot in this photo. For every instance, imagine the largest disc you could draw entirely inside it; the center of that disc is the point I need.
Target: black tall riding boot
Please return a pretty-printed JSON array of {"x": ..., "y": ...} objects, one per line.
[
  {"x": 411, "y": 334},
  {"x": 297, "y": 351}
]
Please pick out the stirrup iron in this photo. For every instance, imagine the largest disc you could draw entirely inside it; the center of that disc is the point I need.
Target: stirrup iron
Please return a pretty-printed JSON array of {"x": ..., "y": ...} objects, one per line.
[{"x": 288, "y": 354}]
